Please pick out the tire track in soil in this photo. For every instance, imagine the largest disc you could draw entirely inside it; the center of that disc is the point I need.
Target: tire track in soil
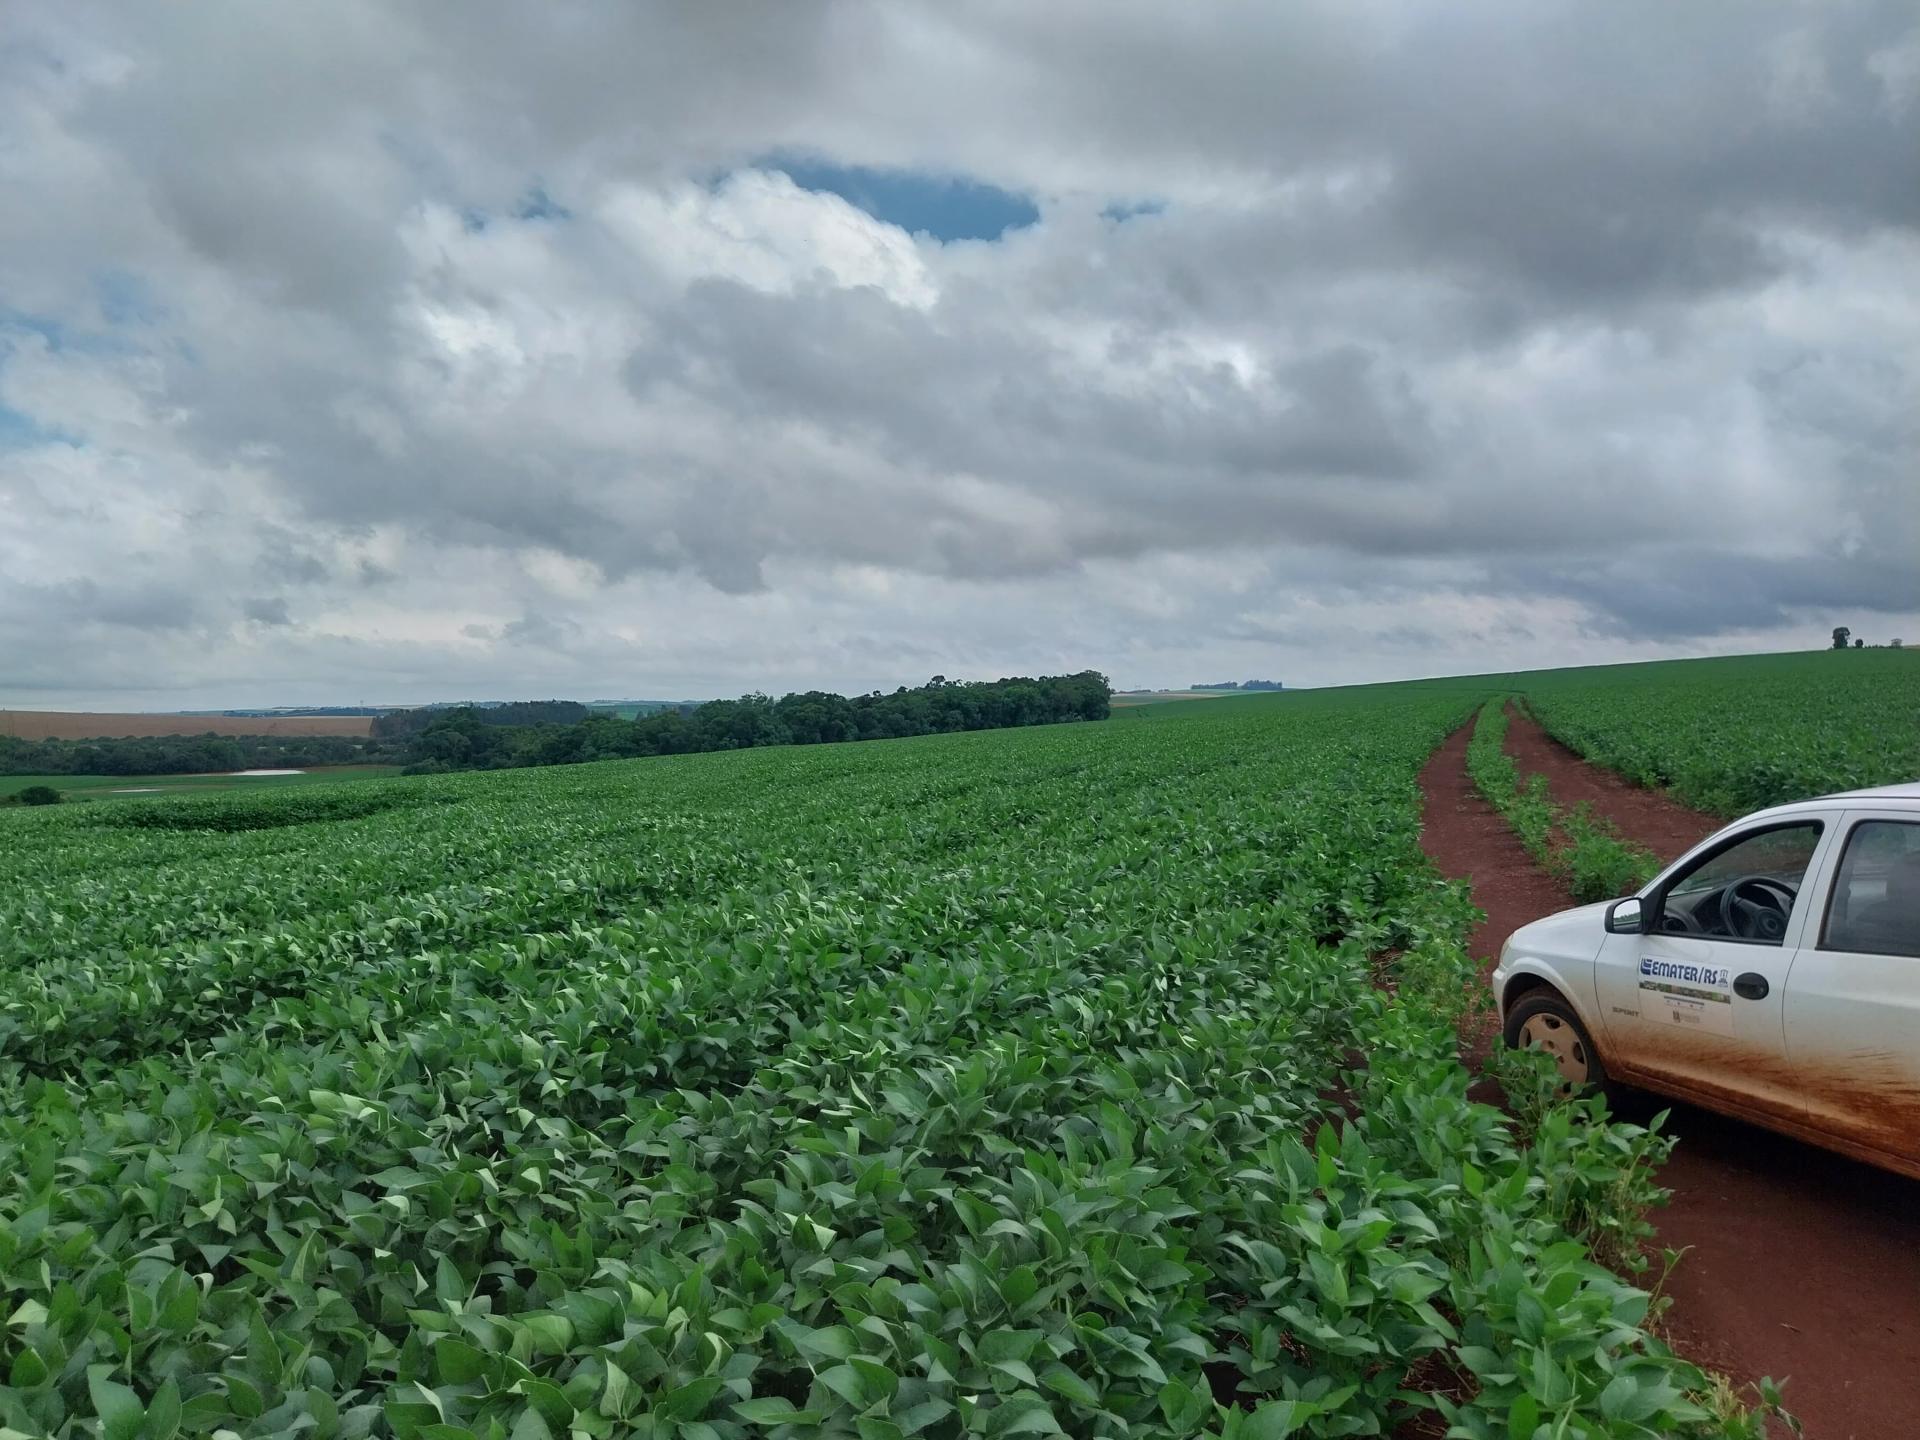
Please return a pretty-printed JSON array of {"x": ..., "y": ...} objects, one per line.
[
  {"x": 1659, "y": 822},
  {"x": 1800, "y": 1264}
]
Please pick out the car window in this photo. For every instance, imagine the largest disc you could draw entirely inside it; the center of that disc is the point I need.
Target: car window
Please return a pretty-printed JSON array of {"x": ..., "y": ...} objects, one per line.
[
  {"x": 1745, "y": 891},
  {"x": 1875, "y": 908}
]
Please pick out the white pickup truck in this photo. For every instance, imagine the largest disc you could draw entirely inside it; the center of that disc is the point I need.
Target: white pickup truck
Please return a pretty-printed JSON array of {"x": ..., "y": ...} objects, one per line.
[{"x": 1772, "y": 973}]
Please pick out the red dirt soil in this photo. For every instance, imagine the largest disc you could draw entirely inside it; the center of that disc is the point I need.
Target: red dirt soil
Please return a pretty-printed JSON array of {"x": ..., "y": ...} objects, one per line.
[
  {"x": 1800, "y": 1264},
  {"x": 1657, "y": 821},
  {"x": 1467, "y": 839},
  {"x": 91, "y": 725}
]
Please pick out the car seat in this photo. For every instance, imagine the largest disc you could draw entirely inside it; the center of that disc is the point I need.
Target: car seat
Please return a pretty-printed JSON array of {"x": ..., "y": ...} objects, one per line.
[{"x": 1890, "y": 926}]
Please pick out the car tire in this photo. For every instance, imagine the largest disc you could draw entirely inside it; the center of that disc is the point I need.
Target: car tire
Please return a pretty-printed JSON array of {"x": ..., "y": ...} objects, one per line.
[{"x": 1543, "y": 1020}]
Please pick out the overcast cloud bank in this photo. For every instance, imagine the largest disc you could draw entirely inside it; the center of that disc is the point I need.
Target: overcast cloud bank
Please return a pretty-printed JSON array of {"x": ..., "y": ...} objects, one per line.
[{"x": 367, "y": 353}]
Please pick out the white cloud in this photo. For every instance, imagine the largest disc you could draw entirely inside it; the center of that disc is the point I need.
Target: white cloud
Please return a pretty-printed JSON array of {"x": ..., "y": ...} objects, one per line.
[{"x": 761, "y": 230}]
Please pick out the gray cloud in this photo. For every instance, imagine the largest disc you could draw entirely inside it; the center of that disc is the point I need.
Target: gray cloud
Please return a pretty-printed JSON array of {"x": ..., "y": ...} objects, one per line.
[
  {"x": 1679, "y": 592},
  {"x": 142, "y": 606},
  {"x": 1588, "y": 329}
]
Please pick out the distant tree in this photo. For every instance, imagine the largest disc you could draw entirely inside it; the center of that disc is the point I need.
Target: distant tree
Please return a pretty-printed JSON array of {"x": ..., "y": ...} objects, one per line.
[
  {"x": 39, "y": 795},
  {"x": 1859, "y": 644},
  {"x": 1840, "y": 634}
]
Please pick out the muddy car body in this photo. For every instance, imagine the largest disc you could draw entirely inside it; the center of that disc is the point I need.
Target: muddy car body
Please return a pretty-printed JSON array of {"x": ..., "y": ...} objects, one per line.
[{"x": 1771, "y": 973}]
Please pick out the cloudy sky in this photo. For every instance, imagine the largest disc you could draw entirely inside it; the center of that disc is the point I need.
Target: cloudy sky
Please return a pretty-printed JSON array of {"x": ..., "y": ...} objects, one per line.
[{"x": 383, "y": 353}]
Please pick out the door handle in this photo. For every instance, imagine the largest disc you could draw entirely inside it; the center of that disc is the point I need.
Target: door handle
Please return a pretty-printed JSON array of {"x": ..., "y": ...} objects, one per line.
[{"x": 1750, "y": 986}]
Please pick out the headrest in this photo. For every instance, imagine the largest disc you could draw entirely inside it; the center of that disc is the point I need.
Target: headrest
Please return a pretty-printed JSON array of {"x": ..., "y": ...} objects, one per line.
[{"x": 1903, "y": 876}]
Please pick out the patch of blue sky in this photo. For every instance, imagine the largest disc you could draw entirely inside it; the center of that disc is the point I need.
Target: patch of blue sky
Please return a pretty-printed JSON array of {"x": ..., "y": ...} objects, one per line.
[
  {"x": 120, "y": 308},
  {"x": 45, "y": 326},
  {"x": 536, "y": 204},
  {"x": 947, "y": 207},
  {"x": 1123, "y": 210},
  {"x": 23, "y": 432},
  {"x": 125, "y": 299}
]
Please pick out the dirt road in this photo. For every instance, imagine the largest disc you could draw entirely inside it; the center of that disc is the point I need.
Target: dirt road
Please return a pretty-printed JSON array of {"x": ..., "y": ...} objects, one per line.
[
  {"x": 1800, "y": 1264},
  {"x": 1663, "y": 825}
]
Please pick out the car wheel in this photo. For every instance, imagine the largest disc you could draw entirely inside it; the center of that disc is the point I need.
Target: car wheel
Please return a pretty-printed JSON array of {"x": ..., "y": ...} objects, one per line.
[{"x": 1543, "y": 1021}]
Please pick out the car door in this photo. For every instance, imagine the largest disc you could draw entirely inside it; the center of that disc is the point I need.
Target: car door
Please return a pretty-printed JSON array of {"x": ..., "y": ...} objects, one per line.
[
  {"x": 1695, "y": 1003},
  {"x": 1853, "y": 994}
]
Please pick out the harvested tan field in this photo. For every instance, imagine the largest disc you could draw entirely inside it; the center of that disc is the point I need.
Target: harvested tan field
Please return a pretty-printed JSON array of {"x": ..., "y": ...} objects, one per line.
[
  {"x": 99, "y": 725},
  {"x": 1124, "y": 698}
]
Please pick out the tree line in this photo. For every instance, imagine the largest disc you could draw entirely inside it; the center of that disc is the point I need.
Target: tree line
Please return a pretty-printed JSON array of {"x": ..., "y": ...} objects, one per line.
[
  {"x": 467, "y": 739},
  {"x": 404, "y": 724},
  {"x": 1841, "y": 633},
  {"x": 565, "y": 732},
  {"x": 186, "y": 754}
]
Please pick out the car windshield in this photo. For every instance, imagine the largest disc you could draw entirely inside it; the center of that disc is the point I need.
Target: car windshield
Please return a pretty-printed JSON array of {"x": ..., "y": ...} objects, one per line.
[{"x": 1782, "y": 853}]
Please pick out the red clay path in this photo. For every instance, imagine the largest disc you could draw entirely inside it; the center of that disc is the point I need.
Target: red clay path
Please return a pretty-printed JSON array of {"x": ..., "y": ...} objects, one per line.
[
  {"x": 1800, "y": 1264},
  {"x": 1660, "y": 823}
]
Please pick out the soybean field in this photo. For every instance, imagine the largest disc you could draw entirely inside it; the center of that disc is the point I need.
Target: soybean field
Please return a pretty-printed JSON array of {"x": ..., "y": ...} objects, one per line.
[
  {"x": 1737, "y": 734},
  {"x": 1095, "y": 1080}
]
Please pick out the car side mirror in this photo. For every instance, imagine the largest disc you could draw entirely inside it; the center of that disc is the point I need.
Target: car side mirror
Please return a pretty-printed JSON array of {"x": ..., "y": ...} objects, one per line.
[{"x": 1626, "y": 917}]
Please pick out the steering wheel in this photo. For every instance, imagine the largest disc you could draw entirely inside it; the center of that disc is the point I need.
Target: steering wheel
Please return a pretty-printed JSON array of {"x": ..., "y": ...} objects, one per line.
[
  {"x": 1755, "y": 907},
  {"x": 1675, "y": 921}
]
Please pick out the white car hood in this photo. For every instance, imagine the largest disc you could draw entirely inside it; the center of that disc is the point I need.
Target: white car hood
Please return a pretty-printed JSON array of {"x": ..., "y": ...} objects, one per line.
[{"x": 1571, "y": 936}]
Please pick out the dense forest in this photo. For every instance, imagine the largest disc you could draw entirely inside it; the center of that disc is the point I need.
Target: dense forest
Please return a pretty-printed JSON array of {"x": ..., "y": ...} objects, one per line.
[
  {"x": 465, "y": 740},
  {"x": 401, "y": 724},
  {"x": 565, "y": 732}
]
